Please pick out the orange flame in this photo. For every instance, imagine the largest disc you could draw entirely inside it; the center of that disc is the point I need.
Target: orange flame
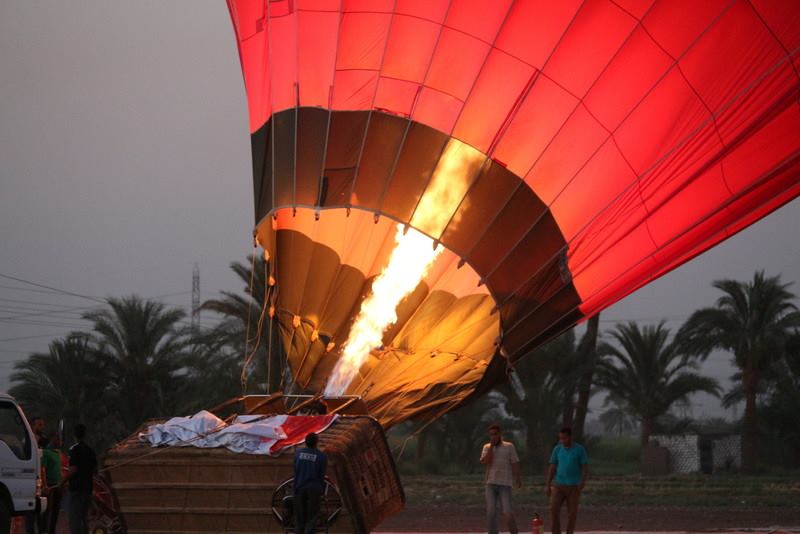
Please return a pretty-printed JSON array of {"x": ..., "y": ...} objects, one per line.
[
  {"x": 409, "y": 261},
  {"x": 408, "y": 264}
]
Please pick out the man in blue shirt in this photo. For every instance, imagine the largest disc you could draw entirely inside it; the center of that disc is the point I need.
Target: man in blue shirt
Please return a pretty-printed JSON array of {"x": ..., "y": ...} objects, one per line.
[
  {"x": 309, "y": 485},
  {"x": 569, "y": 464}
]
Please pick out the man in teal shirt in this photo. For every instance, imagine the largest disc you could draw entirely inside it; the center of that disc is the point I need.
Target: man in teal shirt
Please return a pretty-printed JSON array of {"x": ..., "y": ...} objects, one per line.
[{"x": 569, "y": 464}]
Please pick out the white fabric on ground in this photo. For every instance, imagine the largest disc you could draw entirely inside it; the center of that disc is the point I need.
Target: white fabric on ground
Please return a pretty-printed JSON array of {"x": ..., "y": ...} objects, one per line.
[
  {"x": 252, "y": 438},
  {"x": 205, "y": 430},
  {"x": 179, "y": 431}
]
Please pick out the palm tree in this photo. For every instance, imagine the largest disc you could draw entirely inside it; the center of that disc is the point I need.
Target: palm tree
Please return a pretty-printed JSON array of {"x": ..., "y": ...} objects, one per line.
[
  {"x": 66, "y": 383},
  {"x": 587, "y": 358},
  {"x": 549, "y": 375},
  {"x": 212, "y": 374},
  {"x": 142, "y": 345},
  {"x": 245, "y": 317},
  {"x": 647, "y": 374},
  {"x": 755, "y": 321},
  {"x": 454, "y": 438},
  {"x": 243, "y": 308},
  {"x": 616, "y": 420},
  {"x": 779, "y": 412}
]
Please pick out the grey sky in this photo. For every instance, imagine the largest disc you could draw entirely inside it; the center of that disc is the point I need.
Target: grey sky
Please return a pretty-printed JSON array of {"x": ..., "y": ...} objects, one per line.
[{"x": 125, "y": 158}]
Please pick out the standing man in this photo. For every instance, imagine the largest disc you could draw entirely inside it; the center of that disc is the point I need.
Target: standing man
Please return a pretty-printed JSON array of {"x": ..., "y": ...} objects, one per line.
[
  {"x": 309, "y": 485},
  {"x": 570, "y": 465},
  {"x": 502, "y": 467},
  {"x": 51, "y": 463},
  {"x": 82, "y": 465}
]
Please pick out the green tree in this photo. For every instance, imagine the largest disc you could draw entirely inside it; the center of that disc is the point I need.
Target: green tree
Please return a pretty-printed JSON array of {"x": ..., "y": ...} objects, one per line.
[
  {"x": 454, "y": 440},
  {"x": 213, "y": 373},
  {"x": 755, "y": 321},
  {"x": 646, "y": 374},
  {"x": 141, "y": 343},
  {"x": 780, "y": 411},
  {"x": 587, "y": 358},
  {"x": 549, "y": 376},
  {"x": 565, "y": 361},
  {"x": 616, "y": 420},
  {"x": 246, "y": 317},
  {"x": 66, "y": 383}
]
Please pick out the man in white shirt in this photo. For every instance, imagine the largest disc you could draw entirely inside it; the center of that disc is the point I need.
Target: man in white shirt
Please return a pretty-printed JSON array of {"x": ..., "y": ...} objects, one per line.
[{"x": 502, "y": 469}]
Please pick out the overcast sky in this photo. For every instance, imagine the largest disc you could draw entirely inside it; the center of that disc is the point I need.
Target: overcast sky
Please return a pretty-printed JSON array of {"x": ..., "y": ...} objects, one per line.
[{"x": 125, "y": 158}]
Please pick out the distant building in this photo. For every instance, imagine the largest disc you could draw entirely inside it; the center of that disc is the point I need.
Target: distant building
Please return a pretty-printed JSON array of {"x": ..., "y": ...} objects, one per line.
[{"x": 696, "y": 453}]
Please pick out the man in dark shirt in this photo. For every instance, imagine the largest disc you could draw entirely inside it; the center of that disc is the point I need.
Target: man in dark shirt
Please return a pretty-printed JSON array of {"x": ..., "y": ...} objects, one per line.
[
  {"x": 82, "y": 465},
  {"x": 309, "y": 484}
]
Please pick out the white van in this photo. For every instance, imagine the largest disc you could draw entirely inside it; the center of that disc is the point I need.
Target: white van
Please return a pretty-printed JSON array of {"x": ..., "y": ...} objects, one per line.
[{"x": 20, "y": 473}]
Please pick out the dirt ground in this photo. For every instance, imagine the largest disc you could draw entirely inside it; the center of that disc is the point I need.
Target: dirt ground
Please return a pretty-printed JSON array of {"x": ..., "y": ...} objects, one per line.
[{"x": 452, "y": 518}]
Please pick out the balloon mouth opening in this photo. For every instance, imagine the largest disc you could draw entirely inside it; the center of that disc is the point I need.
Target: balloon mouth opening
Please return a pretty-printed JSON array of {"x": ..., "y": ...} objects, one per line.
[{"x": 405, "y": 274}]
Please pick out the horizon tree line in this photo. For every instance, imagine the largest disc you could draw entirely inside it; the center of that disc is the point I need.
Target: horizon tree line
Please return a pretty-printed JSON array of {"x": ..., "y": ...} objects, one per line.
[{"x": 140, "y": 361}]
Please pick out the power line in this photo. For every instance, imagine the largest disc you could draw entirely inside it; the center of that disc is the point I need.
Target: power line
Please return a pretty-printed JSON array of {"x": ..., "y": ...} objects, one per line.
[
  {"x": 32, "y": 306},
  {"x": 17, "y": 318},
  {"x": 47, "y": 312},
  {"x": 21, "y": 338},
  {"x": 16, "y": 288},
  {"x": 76, "y": 308},
  {"x": 16, "y": 308},
  {"x": 35, "y": 302},
  {"x": 64, "y": 291},
  {"x": 41, "y": 323},
  {"x": 156, "y": 297}
]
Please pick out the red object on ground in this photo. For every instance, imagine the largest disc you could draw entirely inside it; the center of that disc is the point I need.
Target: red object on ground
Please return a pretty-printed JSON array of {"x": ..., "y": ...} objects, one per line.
[
  {"x": 297, "y": 427},
  {"x": 537, "y": 525}
]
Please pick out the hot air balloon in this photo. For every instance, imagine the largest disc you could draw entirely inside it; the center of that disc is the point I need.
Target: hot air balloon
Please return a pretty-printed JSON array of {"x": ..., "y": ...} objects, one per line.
[{"x": 524, "y": 164}]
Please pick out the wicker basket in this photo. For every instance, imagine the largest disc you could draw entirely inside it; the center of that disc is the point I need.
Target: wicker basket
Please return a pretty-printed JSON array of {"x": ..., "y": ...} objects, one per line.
[{"x": 187, "y": 489}]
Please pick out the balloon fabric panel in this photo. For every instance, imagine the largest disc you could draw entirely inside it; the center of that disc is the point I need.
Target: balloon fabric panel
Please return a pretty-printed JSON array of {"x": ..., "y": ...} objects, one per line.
[{"x": 593, "y": 146}]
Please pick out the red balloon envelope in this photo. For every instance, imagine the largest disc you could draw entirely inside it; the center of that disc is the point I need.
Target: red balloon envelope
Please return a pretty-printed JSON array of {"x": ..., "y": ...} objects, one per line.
[{"x": 583, "y": 149}]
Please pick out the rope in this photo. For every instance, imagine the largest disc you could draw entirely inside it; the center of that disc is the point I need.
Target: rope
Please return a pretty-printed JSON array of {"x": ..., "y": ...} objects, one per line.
[
  {"x": 243, "y": 376},
  {"x": 259, "y": 331},
  {"x": 269, "y": 338}
]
